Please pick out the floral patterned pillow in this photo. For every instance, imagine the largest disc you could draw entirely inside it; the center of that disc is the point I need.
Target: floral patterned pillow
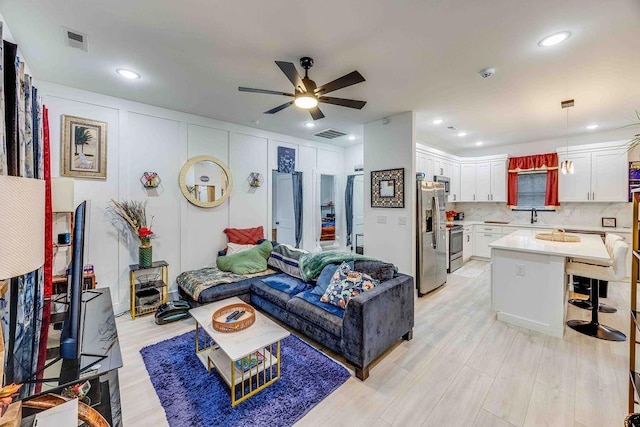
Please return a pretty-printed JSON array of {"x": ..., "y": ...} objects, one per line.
[{"x": 346, "y": 284}]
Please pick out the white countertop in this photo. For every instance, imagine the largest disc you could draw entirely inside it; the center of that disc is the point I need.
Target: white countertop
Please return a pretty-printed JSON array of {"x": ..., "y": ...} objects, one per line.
[
  {"x": 547, "y": 226},
  {"x": 590, "y": 245}
]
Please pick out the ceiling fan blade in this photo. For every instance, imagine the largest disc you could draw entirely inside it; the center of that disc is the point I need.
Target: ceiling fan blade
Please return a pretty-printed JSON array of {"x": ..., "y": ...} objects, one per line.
[
  {"x": 316, "y": 113},
  {"x": 290, "y": 71},
  {"x": 279, "y": 107},
  {"x": 268, "y": 92},
  {"x": 351, "y": 103},
  {"x": 352, "y": 78}
]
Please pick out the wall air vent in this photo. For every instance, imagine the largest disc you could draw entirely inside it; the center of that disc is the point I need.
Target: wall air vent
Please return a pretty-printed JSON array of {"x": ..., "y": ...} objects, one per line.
[
  {"x": 75, "y": 39},
  {"x": 330, "y": 134}
]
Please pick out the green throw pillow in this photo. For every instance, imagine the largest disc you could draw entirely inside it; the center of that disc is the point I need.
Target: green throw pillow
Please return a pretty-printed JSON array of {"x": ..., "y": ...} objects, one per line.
[{"x": 253, "y": 260}]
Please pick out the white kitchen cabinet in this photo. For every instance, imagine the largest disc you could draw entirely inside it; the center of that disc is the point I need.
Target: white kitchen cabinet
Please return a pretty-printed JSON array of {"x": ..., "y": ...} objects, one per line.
[
  {"x": 421, "y": 163},
  {"x": 499, "y": 181},
  {"x": 575, "y": 187},
  {"x": 482, "y": 241},
  {"x": 467, "y": 243},
  {"x": 600, "y": 176},
  {"x": 439, "y": 166},
  {"x": 468, "y": 182},
  {"x": 609, "y": 171},
  {"x": 429, "y": 170},
  {"x": 454, "y": 184},
  {"x": 483, "y": 182}
]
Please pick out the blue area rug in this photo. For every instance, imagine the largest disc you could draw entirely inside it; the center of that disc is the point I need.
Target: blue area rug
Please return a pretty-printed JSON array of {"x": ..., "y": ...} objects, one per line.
[{"x": 191, "y": 396}]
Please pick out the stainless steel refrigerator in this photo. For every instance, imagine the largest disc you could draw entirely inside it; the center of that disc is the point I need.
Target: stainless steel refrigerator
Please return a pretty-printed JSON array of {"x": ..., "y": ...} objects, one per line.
[{"x": 431, "y": 250}]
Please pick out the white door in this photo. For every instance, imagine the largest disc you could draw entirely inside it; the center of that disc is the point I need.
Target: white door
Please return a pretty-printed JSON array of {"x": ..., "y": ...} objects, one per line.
[
  {"x": 499, "y": 181},
  {"x": 284, "y": 216},
  {"x": 609, "y": 176},
  {"x": 483, "y": 182},
  {"x": 575, "y": 187},
  {"x": 468, "y": 182},
  {"x": 358, "y": 207}
]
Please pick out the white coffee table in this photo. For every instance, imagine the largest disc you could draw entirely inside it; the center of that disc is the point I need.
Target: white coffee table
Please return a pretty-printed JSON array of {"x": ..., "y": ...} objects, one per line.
[{"x": 222, "y": 350}]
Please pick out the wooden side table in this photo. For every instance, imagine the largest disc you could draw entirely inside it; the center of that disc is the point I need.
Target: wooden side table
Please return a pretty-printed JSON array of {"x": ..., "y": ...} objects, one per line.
[{"x": 149, "y": 283}]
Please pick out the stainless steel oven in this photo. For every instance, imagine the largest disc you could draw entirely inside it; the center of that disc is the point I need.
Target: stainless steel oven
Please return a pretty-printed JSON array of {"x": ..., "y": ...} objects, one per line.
[{"x": 455, "y": 248}]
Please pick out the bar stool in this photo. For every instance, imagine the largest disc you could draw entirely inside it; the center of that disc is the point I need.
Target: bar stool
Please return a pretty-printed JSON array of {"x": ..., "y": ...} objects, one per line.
[
  {"x": 586, "y": 303},
  {"x": 595, "y": 273}
]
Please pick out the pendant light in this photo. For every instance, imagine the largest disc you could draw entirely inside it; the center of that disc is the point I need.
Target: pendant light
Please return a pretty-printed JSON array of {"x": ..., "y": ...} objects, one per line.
[{"x": 566, "y": 167}]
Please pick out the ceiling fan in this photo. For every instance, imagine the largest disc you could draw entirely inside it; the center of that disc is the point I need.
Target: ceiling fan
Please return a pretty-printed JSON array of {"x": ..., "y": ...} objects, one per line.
[{"x": 306, "y": 94}]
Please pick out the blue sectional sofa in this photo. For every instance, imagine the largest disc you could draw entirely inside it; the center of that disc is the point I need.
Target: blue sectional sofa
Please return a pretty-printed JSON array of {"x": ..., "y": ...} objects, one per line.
[{"x": 371, "y": 323}]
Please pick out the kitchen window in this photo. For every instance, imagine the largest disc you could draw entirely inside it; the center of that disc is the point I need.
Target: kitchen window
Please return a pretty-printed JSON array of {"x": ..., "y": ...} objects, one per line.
[{"x": 532, "y": 188}]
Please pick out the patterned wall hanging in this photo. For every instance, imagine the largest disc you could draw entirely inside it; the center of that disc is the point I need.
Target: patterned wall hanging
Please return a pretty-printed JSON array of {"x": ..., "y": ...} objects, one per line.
[
  {"x": 286, "y": 160},
  {"x": 387, "y": 188}
]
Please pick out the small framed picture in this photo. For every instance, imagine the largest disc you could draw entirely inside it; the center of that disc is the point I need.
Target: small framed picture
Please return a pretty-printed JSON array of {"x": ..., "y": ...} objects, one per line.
[
  {"x": 84, "y": 148},
  {"x": 609, "y": 222},
  {"x": 387, "y": 188}
]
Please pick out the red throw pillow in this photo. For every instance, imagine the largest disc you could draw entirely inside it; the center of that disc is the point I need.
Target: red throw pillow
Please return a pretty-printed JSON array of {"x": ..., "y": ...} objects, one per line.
[{"x": 244, "y": 236}]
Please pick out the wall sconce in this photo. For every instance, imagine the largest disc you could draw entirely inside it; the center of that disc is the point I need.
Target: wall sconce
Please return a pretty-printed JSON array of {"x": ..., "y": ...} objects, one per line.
[
  {"x": 150, "y": 180},
  {"x": 255, "y": 179}
]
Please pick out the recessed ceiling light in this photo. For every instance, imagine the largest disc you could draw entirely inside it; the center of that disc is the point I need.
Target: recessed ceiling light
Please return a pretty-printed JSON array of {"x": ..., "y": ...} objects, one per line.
[
  {"x": 128, "y": 74},
  {"x": 479, "y": 143},
  {"x": 462, "y": 134},
  {"x": 554, "y": 39},
  {"x": 437, "y": 121},
  {"x": 310, "y": 124},
  {"x": 351, "y": 137},
  {"x": 593, "y": 126}
]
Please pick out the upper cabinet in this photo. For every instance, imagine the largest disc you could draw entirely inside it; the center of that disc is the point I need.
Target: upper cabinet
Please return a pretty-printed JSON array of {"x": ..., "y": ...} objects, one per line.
[
  {"x": 600, "y": 176},
  {"x": 484, "y": 181},
  {"x": 454, "y": 184}
]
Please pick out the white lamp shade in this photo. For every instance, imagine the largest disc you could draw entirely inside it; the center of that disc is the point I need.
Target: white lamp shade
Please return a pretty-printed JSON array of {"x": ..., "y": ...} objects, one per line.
[
  {"x": 21, "y": 225},
  {"x": 62, "y": 195}
]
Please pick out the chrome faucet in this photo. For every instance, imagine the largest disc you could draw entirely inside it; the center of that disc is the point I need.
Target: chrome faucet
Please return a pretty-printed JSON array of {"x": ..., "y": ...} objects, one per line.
[{"x": 534, "y": 215}]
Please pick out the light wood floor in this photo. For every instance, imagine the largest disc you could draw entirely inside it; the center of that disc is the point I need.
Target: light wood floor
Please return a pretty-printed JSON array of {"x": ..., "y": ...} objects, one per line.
[{"x": 462, "y": 368}]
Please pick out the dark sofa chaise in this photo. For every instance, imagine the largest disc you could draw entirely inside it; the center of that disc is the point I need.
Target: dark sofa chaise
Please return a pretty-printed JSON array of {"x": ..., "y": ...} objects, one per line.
[{"x": 371, "y": 323}]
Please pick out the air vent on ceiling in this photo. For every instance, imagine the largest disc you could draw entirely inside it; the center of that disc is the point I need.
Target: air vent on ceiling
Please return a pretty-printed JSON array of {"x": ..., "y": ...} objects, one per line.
[
  {"x": 330, "y": 134},
  {"x": 452, "y": 128},
  {"x": 75, "y": 39}
]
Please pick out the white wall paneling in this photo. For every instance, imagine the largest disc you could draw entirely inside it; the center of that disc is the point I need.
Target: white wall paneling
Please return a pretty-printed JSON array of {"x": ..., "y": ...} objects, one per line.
[{"x": 146, "y": 138}]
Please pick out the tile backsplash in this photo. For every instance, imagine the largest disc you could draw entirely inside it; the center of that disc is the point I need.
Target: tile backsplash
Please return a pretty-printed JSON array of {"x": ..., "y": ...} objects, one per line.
[{"x": 584, "y": 214}]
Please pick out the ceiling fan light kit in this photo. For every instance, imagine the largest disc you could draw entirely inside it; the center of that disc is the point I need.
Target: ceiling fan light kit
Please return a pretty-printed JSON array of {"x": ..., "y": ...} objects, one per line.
[{"x": 306, "y": 94}]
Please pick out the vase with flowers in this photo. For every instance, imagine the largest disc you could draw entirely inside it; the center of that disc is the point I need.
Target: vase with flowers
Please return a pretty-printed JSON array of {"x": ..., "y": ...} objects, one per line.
[{"x": 131, "y": 217}]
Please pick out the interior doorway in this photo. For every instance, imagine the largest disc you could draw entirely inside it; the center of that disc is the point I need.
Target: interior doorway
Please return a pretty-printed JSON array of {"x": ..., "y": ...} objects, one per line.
[{"x": 283, "y": 214}]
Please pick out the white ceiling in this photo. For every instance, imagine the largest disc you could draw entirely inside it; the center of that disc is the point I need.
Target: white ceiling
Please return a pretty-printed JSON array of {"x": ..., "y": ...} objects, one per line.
[{"x": 420, "y": 55}]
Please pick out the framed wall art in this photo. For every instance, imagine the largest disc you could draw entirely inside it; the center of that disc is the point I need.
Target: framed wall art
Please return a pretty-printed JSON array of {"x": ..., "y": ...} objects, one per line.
[
  {"x": 84, "y": 148},
  {"x": 387, "y": 188},
  {"x": 609, "y": 222},
  {"x": 286, "y": 160}
]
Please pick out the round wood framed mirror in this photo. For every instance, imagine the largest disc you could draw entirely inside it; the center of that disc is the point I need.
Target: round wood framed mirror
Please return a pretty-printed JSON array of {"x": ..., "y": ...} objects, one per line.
[{"x": 205, "y": 181}]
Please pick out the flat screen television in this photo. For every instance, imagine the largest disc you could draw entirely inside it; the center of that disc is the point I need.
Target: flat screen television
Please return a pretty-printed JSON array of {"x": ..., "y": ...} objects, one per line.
[{"x": 71, "y": 328}]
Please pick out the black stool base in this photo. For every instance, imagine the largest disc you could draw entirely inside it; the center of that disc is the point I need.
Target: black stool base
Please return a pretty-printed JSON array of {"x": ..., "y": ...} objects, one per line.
[
  {"x": 596, "y": 330},
  {"x": 586, "y": 304}
]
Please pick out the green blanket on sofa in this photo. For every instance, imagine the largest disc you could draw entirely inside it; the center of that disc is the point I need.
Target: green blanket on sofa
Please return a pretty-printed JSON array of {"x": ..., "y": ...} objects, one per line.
[{"x": 311, "y": 264}]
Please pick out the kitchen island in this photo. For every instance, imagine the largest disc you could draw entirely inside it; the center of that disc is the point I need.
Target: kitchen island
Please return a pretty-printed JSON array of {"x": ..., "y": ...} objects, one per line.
[{"x": 528, "y": 279}]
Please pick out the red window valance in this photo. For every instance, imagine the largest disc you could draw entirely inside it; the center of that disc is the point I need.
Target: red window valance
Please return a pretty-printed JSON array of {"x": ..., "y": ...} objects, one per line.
[
  {"x": 539, "y": 162},
  {"x": 533, "y": 163}
]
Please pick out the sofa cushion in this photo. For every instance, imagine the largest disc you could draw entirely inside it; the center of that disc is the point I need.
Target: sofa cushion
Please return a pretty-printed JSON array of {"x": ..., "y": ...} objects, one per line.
[
  {"x": 378, "y": 270},
  {"x": 244, "y": 236},
  {"x": 251, "y": 261},
  {"x": 346, "y": 284},
  {"x": 279, "y": 288},
  {"x": 325, "y": 278},
  {"x": 286, "y": 259},
  {"x": 309, "y": 307}
]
